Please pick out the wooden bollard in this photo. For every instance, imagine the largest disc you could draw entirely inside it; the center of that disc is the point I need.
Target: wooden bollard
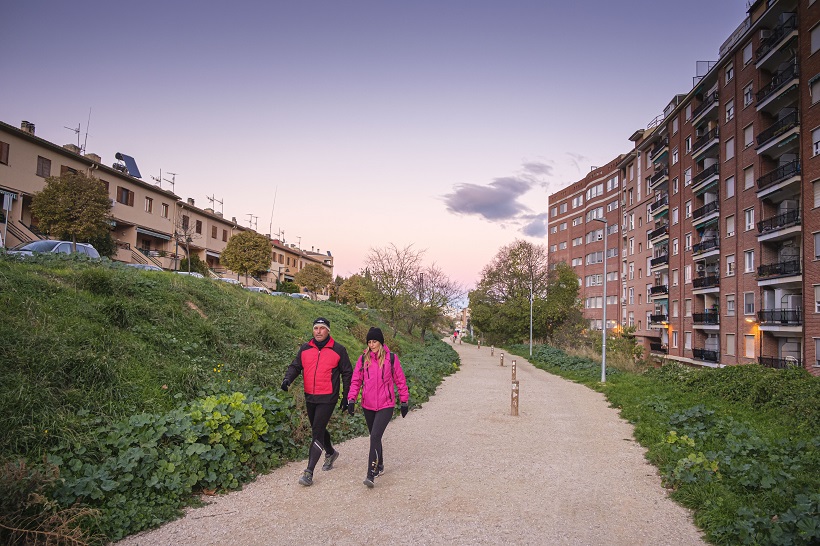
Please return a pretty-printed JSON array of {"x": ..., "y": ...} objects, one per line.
[
  {"x": 479, "y": 343},
  {"x": 492, "y": 350},
  {"x": 513, "y": 370},
  {"x": 502, "y": 359},
  {"x": 514, "y": 399}
]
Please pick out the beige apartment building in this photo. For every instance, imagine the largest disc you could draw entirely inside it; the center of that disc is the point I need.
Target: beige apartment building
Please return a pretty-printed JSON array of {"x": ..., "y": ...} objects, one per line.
[
  {"x": 720, "y": 230},
  {"x": 146, "y": 217}
]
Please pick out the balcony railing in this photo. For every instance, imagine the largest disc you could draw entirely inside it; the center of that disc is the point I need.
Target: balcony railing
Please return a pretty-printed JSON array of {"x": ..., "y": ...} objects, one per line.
[
  {"x": 658, "y": 319},
  {"x": 705, "y": 354},
  {"x": 791, "y": 267},
  {"x": 790, "y": 317},
  {"x": 707, "y": 317},
  {"x": 708, "y": 281},
  {"x": 659, "y": 147},
  {"x": 783, "y": 125},
  {"x": 660, "y": 260},
  {"x": 660, "y": 203},
  {"x": 705, "y": 139},
  {"x": 655, "y": 233},
  {"x": 659, "y": 289},
  {"x": 705, "y": 210},
  {"x": 708, "y": 101},
  {"x": 658, "y": 176},
  {"x": 788, "y": 218},
  {"x": 706, "y": 173},
  {"x": 780, "y": 363},
  {"x": 705, "y": 246},
  {"x": 777, "y": 34},
  {"x": 778, "y": 80},
  {"x": 658, "y": 348},
  {"x": 781, "y": 173}
]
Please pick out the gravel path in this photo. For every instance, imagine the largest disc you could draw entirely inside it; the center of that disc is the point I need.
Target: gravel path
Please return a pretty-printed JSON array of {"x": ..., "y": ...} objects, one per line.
[{"x": 462, "y": 470}]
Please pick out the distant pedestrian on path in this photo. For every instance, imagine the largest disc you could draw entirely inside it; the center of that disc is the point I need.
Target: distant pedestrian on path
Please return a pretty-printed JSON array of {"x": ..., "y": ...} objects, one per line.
[
  {"x": 321, "y": 361},
  {"x": 377, "y": 374}
]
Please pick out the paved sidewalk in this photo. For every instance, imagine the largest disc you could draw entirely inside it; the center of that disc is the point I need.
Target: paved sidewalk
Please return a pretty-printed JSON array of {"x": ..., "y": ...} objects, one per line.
[{"x": 462, "y": 470}]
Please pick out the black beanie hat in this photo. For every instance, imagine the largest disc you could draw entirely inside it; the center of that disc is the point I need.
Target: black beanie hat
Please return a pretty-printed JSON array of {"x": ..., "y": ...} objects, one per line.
[
  {"x": 375, "y": 333},
  {"x": 322, "y": 321}
]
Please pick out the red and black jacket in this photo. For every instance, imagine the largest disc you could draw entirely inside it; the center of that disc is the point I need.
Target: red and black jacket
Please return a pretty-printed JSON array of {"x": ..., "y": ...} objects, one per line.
[{"x": 321, "y": 368}]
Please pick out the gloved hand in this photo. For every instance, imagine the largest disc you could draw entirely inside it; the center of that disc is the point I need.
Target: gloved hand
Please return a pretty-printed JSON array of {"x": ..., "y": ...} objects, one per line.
[
  {"x": 285, "y": 385},
  {"x": 351, "y": 407},
  {"x": 404, "y": 409},
  {"x": 343, "y": 404}
]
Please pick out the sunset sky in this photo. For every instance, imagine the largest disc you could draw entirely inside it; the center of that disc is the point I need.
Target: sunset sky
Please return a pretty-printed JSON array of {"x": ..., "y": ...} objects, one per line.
[{"x": 441, "y": 124}]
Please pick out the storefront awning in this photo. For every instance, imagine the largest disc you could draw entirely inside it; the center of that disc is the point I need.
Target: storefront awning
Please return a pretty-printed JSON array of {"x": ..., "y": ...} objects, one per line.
[
  {"x": 212, "y": 254},
  {"x": 156, "y": 234}
]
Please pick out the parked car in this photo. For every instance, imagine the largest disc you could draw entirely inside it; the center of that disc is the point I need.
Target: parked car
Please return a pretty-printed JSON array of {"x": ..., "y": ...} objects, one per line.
[
  {"x": 191, "y": 273},
  {"x": 259, "y": 289},
  {"x": 53, "y": 247},
  {"x": 146, "y": 267},
  {"x": 279, "y": 294},
  {"x": 300, "y": 296},
  {"x": 229, "y": 281}
]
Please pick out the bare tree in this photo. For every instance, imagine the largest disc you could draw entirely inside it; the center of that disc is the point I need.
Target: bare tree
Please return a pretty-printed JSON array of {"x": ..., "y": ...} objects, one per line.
[
  {"x": 436, "y": 292},
  {"x": 184, "y": 234},
  {"x": 392, "y": 272}
]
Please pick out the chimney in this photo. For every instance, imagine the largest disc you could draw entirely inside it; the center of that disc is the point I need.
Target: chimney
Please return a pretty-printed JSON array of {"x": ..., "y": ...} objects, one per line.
[
  {"x": 191, "y": 201},
  {"x": 27, "y": 127},
  {"x": 94, "y": 157},
  {"x": 72, "y": 148}
]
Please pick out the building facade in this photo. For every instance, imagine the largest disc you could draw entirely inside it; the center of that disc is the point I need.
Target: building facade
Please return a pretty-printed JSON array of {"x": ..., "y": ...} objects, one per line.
[{"x": 720, "y": 223}]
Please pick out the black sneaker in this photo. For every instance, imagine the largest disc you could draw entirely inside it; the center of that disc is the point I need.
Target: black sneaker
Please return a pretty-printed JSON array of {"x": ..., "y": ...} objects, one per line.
[
  {"x": 368, "y": 481},
  {"x": 329, "y": 460},
  {"x": 306, "y": 479},
  {"x": 379, "y": 471}
]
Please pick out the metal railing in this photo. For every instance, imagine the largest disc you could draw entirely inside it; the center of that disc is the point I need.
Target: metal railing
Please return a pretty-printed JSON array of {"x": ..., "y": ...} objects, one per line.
[
  {"x": 779, "y": 79},
  {"x": 708, "y": 281},
  {"x": 788, "y": 218},
  {"x": 783, "y": 125},
  {"x": 708, "y": 101},
  {"x": 658, "y": 176},
  {"x": 658, "y": 319},
  {"x": 660, "y": 260},
  {"x": 791, "y": 267},
  {"x": 793, "y": 317},
  {"x": 659, "y": 289},
  {"x": 655, "y": 233},
  {"x": 708, "y": 172},
  {"x": 705, "y": 246},
  {"x": 781, "y": 173},
  {"x": 706, "y": 354},
  {"x": 780, "y": 363},
  {"x": 777, "y": 34},
  {"x": 707, "y": 317},
  {"x": 705, "y": 139},
  {"x": 664, "y": 143},
  {"x": 706, "y": 209},
  {"x": 658, "y": 348},
  {"x": 660, "y": 203}
]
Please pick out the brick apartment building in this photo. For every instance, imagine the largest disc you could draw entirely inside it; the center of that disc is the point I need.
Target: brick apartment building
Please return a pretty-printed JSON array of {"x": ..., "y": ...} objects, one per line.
[{"x": 717, "y": 207}]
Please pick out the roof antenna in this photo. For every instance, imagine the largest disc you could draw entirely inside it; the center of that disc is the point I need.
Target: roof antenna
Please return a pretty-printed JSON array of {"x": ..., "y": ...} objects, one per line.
[
  {"x": 88, "y": 123},
  {"x": 270, "y": 226},
  {"x": 76, "y": 132},
  {"x": 213, "y": 200}
]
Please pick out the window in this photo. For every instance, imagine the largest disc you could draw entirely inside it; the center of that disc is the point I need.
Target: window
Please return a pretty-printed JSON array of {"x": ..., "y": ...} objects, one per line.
[
  {"x": 748, "y": 303},
  {"x": 225, "y": 236},
  {"x": 730, "y": 305},
  {"x": 687, "y": 209},
  {"x": 748, "y": 95},
  {"x": 675, "y": 340},
  {"x": 687, "y": 273},
  {"x": 612, "y": 206},
  {"x": 815, "y": 138},
  {"x": 125, "y": 196},
  {"x": 687, "y": 145},
  {"x": 612, "y": 183},
  {"x": 562, "y": 245},
  {"x": 675, "y": 308},
  {"x": 163, "y": 210},
  {"x": 817, "y": 353},
  {"x": 730, "y": 187},
  {"x": 674, "y": 156},
  {"x": 553, "y": 212},
  {"x": 748, "y": 136},
  {"x": 817, "y": 246},
  {"x": 817, "y": 298},
  {"x": 730, "y": 110},
  {"x": 687, "y": 308},
  {"x": 631, "y": 246},
  {"x": 749, "y": 219},
  {"x": 747, "y": 53},
  {"x": 578, "y": 241},
  {"x": 577, "y": 261},
  {"x": 687, "y": 340},
  {"x": 815, "y": 38},
  {"x": 687, "y": 242},
  {"x": 687, "y": 176},
  {"x": 199, "y": 226},
  {"x": 674, "y": 277},
  {"x": 553, "y": 248},
  {"x": 730, "y": 226},
  {"x": 674, "y": 247},
  {"x": 750, "y": 345},
  {"x": 595, "y": 191},
  {"x": 688, "y": 112},
  {"x": 186, "y": 221},
  {"x": 214, "y": 232},
  {"x": 595, "y": 213},
  {"x": 749, "y": 177},
  {"x": 577, "y": 201},
  {"x": 44, "y": 167},
  {"x": 631, "y": 222},
  {"x": 674, "y": 126},
  {"x": 675, "y": 185},
  {"x": 749, "y": 261},
  {"x": 4, "y": 153},
  {"x": 816, "y": 185},
  {"x": 149, "y": 205},
  {"x": 562, "y": 226},
  {"x": 730, "y": 149},
  {"x": 675, "y": 216},
  {"x": 577, "y": 221},
  {"x": 563, "y": 208},
  {"x": 815, "y": 90},
  {"x": 730, "y": 72},
  {"x": 730, "y": 344},
  {"x": 730, "y": 265},
  {"x": 553, "y": 230},
  {"x": 631, "y": 296}
]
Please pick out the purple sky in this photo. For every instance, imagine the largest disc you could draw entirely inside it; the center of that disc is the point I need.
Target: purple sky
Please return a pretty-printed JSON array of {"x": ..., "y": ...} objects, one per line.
[{"x": 442, "y": 124}]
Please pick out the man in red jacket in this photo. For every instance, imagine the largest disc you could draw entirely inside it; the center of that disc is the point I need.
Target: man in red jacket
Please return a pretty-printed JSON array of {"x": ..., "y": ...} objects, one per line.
[{"x": 321, "y": 361}]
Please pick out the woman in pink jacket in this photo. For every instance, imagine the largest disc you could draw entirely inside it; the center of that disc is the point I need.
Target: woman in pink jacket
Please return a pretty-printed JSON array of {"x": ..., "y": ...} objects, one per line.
[{"x": 377, "y": 374}]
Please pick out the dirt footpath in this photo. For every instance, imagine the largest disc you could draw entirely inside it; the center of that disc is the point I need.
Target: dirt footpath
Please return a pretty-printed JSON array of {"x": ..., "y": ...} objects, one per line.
[{"x": 462, "y": 470}]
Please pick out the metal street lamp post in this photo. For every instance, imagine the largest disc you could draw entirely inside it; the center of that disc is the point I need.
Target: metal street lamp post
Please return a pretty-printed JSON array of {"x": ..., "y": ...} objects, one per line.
[
  {"x": 603, "y": 334},
  {"x": 530, "y": 316}
]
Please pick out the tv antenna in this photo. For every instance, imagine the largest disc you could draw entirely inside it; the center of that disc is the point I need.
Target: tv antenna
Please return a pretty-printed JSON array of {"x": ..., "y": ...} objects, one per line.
[
  {"x": 172, "y": 181},
  {"x": 270, "y": 226},
  {"x": 76, "y": 132},
  {"x": 213, "y": 200},
  {"x": 252, "y": 221}
]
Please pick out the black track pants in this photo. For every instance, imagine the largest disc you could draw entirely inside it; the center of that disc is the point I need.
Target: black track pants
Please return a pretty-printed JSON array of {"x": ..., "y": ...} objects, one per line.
[
  {"x": 376, "y": 424},
  {"x": 319, "y": 416}
]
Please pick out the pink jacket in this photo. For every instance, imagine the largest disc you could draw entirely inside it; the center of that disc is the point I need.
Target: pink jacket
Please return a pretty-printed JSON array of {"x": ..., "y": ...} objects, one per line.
[{"x": 378, "y": 385}]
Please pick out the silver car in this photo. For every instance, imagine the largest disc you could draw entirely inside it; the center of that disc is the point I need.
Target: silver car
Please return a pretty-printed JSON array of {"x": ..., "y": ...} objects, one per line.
[{"x": 53, "y": 247}]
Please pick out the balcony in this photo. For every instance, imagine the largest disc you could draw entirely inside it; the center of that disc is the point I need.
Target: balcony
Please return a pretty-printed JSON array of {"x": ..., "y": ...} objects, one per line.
[
  {"x": 659, "y": 204},
  {"x": 786, "y": 317},
  {"x": 659, "y": 149},
  {"x": 659, "y": 289},
  {"x": 779, "y": 128},
  {"x": 787, "y": 219},
  {"x": 658, "y": 177},
  {"x": 658, "y": 319},
  {"x": 658, "y": 348},
  {"x": 780, "y": 174},
  {"x": 705, "y": 210},
  {"x": 780, "y": 363},
  {"x": 708, "y": 281},
  {"x": 706, "y": 354},
  {"x": 660, "y": 260},
  {"x": 659, "y": 232},
  {"x": 775, "y": 37},
  {"x": 707, "y": 317},
  {"x": 705, "y": 141},
  {"x": 706, "y": 174},
  {"x": 780, "y": 269},
  {"x": 779, "y": 80},
  {"x": 705, "y": 246},
  {"x": 708, "y": 102}
]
